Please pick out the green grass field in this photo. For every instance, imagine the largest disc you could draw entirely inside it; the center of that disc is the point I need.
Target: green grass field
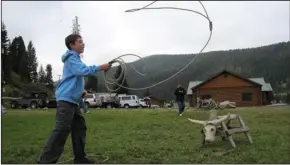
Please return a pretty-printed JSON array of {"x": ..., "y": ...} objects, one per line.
[{"x": 151, "y": 136}]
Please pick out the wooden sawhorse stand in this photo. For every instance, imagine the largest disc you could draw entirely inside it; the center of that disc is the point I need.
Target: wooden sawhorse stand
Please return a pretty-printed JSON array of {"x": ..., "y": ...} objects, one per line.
[{"x": 226, "y": 131}]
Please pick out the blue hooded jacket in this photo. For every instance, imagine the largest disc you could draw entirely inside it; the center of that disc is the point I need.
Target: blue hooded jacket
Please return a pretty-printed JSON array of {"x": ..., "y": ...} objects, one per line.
[{"x": 72, "y": 84}]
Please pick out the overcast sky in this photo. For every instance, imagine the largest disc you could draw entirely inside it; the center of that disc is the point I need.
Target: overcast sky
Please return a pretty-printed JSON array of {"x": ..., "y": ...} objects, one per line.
[{"x": 109, "y": 32}]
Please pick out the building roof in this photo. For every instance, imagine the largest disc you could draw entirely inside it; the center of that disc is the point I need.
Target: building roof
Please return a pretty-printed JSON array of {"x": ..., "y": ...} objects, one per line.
[
  {"x": 259, "y": 81},
  {"x": 268, "y": 87},
  {"x": 191, "y": 85},
  {"x": 265, "y": 86},
  {"x": 228, "y": 72}
]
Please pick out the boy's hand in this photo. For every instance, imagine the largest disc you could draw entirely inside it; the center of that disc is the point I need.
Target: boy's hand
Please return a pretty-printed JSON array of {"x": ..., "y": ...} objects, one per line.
[
  {"x": 85, "y": 94},
  {"x": 105, "y": 67}
]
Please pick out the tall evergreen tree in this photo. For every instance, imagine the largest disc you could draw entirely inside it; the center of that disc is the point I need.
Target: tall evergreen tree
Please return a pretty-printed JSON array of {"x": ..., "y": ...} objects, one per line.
[
  {"x": 23, "y": 70},
  {"x": 5, "y": 60},
  {"x": 32, "y": 62},
  {"x": 48, "y": 76},
  {"x": 76, "y": 28},
  {"x": 41, "y": 75},
  {"x": 125, "y": 84},
  {"x": 13, "y": 55}
]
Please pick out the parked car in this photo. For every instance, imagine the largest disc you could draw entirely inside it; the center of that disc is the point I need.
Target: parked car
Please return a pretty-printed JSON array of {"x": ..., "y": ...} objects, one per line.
[
  {"x": 129, "y": 101},
  {"x": 143, "y": 103},
  {"x": 92, "y": 101},
  {"x": 32, "y": 100}
]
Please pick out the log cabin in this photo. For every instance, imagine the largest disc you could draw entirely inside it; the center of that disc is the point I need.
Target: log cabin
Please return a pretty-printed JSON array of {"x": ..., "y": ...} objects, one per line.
[{"x": 227, "y": 85}]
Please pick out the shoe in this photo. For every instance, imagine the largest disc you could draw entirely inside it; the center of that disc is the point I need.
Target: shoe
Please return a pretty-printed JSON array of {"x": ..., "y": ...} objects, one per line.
[
  {"x": 88, "y": 112},
  {"x": 180, "y": 114},
  {"x": 83, "y": 161}
]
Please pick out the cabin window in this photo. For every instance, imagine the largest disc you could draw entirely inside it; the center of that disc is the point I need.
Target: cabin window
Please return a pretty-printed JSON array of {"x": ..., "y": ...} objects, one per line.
[{"x": 247, "y": 96}]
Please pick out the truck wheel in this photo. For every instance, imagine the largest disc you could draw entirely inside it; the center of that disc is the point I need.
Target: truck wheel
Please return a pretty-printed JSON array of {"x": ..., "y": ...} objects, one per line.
[
  {"x": 14, "y": 105},
  {"x": 33, "y": 105},
  {"x": 109, "y": 106},
  {"x": 126, "y": 106}
]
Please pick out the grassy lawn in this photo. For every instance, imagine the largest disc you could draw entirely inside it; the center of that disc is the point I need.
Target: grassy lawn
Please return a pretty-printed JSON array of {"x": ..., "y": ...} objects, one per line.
[{"x": 151, "y": 136}]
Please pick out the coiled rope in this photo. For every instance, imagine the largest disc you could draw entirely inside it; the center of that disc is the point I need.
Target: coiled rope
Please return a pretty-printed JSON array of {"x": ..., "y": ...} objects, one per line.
[{"x": 115, "y": 81}]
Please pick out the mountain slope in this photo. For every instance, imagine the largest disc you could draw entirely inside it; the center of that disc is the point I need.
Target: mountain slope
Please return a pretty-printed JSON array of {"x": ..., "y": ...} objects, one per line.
[{"x": 271, "y": 62}]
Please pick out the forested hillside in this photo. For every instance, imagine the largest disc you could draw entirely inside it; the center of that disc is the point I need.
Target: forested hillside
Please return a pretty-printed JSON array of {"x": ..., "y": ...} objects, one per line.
[{"x": 271, "y": 62}]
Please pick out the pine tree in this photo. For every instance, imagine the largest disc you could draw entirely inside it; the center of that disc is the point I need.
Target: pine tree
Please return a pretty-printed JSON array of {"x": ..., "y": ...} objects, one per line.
[
  {"x": 32, "y": 62},
  {"x": 76, "y": 29},
  {"x": 121, "y": 90},
  {"x": 41, "y": 75},
  {"x": 5, "y": 62},
  {"x": 13, "y": 54},
  {"x": 23, "y": 63},
  {"x": 48, "y": 76}
]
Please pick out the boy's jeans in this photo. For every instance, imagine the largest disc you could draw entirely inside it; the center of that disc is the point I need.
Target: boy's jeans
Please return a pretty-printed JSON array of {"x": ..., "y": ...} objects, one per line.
[
  {"x": 180, "y": 106},
  {"x": 68, "y": 120}
]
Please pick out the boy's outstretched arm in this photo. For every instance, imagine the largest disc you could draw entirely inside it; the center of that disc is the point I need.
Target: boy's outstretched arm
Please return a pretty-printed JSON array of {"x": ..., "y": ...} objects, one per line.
[{"x": 78, "y": 68}]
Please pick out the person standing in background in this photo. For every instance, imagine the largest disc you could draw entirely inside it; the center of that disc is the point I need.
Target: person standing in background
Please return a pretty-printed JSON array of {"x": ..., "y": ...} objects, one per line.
[{"x": 179, "y": 93}]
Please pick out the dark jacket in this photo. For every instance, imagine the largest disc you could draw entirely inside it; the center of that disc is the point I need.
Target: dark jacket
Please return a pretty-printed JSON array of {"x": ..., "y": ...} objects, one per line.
[{"x": 179, "y": 93}]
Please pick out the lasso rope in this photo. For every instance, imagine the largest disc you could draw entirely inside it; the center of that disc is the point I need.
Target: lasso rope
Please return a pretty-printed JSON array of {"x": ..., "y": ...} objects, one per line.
[{"x": 110, "y": 81}]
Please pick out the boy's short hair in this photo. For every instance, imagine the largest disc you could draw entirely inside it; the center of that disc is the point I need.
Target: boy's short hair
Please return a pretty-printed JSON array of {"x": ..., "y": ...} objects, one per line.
[{"x": 71, "y": 39}]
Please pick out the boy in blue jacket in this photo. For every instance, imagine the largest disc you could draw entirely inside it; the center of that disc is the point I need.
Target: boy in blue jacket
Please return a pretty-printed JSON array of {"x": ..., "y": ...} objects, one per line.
[{"x": 68, "y": 96}]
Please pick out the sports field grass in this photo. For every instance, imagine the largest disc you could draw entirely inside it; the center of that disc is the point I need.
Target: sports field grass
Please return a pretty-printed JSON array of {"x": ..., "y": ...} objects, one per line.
[{"x": 151, "y": 136}]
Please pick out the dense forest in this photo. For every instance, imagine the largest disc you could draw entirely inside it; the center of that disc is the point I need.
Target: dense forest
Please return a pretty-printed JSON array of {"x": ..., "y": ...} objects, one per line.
[
  {"x": 19, "y": 67},
  {"x": 271, "y": 62}
]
